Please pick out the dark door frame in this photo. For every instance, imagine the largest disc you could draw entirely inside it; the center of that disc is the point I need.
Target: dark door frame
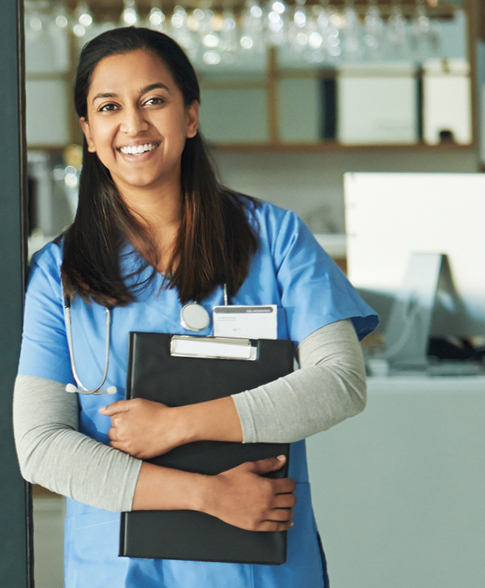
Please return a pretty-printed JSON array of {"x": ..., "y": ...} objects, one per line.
[{"x": 16, "y": 538}]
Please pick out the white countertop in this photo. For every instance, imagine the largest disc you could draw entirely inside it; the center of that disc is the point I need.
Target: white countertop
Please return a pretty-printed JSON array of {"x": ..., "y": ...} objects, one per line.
[{"x": 398, "y": 491}]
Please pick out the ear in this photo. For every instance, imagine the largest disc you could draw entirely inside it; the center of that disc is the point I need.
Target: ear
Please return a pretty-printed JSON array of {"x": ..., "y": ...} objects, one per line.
[
  {"x": 87, "y": 133},
  {"x": 192, "y": 119}
]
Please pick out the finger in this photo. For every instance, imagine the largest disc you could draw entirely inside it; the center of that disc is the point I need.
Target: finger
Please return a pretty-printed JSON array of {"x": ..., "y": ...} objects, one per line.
[
  {"x": 112, "y": 434},
  {"x": 119, "y": 447},
  {"x": 284, "y": 485},
  {"x": 116, "y": 420},
  {"x": 270, "y": 464},
  {"x": 271, "y": 526},
  {"x": 284, "y": 501},
  {"x": 281, "y": 514},
  {"x": 115, "y": 407}
]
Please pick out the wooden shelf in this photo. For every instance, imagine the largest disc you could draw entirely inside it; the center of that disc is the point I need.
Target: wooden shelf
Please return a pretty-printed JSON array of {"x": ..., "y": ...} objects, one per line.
[
  {"x": 333, "y": 146},
  {"x": 326, "y": 146},
  {"x": 48, "y": 148}
]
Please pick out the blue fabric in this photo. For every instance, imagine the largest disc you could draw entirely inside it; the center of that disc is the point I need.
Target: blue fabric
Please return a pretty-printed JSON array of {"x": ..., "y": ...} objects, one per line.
[{"x": 290, "y": 270}]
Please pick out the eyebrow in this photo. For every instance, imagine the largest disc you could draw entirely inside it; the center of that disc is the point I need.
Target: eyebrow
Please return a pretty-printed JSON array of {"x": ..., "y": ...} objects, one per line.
[{"x": 144, "y": 90}]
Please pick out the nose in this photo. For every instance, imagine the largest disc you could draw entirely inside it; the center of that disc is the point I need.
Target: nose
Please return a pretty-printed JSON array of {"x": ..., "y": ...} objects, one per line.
[{"x": 133, "y": 121}]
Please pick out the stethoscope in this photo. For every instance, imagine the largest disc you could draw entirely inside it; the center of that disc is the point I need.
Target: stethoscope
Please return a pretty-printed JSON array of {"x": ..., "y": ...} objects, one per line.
[{"x": 193, "y": 317}]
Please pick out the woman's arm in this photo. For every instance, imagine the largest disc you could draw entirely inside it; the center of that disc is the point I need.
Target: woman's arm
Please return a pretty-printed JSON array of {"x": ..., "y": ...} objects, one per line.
[
  {"x": 54, "y": 454},
  {"x": 329, "y": 387},
  {"x": 240, "y": 496}
]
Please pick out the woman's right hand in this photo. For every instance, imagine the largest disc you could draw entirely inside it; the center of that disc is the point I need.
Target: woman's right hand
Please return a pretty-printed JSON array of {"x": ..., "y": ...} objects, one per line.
[{"x": 243, "y": 497}]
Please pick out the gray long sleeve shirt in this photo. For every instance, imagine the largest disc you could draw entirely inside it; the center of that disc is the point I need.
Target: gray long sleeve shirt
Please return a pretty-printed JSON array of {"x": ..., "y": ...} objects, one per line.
[{"x": 329, "y": 387}]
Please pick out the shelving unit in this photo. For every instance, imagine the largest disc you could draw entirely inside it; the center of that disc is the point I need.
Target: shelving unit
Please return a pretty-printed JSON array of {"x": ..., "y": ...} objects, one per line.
[
  {"x": 269, "y": 83},
  {"x": 334, "y": 146}
]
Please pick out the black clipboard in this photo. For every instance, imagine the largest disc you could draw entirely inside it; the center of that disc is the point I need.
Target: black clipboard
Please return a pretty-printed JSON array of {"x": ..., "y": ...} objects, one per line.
[{"x": 179, "y": 370}]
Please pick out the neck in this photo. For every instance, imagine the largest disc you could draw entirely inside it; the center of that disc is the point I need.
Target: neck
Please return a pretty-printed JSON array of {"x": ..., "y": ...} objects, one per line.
[{"x": 160, "y": 210}]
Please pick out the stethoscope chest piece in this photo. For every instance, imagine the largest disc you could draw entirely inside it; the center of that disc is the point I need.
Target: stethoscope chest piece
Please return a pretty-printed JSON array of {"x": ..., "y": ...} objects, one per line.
[{"x": 194, "y": 317}]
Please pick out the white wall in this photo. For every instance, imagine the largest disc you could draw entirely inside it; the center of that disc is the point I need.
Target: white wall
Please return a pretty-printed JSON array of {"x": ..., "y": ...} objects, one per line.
[{"x": 312, "y": 183}]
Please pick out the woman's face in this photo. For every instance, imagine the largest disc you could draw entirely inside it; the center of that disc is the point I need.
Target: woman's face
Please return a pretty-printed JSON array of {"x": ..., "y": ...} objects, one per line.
[{"x": 137, "y": 122}]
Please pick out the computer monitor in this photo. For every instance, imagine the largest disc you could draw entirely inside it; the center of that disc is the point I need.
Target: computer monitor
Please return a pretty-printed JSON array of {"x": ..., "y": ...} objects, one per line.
[{"x": 391, "y": 216}]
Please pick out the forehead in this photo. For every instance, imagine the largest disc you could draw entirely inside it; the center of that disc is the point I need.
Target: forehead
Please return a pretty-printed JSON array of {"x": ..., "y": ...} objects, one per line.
[{"x": 129, "y": 70}]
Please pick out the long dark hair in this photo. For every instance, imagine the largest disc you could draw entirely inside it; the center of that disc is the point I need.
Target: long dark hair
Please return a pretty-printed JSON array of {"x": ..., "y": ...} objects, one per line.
[{"x": 215, "y": 241}]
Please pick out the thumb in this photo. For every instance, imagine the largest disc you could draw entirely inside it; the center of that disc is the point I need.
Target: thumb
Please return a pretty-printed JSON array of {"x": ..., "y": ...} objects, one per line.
[
  {"x": 115, "y": 407},
  {"x": 270, "y": 464}
]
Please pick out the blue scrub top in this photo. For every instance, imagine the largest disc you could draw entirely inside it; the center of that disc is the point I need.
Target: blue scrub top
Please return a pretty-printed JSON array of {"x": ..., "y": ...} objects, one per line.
[{"x": 289, "y": 270}]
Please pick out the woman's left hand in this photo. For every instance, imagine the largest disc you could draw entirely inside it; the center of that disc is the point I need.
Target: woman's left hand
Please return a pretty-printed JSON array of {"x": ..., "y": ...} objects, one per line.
[{"x": 142, "y": 428}]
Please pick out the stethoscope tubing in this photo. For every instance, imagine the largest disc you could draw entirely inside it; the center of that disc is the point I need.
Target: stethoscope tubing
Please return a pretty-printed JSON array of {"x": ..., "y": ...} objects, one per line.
[{"x": 81, "y": 388}]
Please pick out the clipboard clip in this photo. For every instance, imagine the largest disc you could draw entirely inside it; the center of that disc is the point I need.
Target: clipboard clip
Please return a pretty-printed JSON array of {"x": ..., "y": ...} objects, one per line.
[{"x": 212, "y": 348}]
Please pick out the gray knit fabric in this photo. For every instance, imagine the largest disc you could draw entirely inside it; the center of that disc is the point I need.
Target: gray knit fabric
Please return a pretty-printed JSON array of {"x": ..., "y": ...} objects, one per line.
[
  {"x": 329, "y": 388},
  {"x": 55, "y": 455}
]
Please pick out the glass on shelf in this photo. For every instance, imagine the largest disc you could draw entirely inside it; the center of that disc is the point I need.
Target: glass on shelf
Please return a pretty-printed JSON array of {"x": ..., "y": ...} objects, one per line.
[
  {"x": 397, "y": 33},
  {"x": 373, "y": 33}
]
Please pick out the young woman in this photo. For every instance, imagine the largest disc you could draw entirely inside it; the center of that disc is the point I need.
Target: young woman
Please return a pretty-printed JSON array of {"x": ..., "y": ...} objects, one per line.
[{"x": 154, "y": 231}]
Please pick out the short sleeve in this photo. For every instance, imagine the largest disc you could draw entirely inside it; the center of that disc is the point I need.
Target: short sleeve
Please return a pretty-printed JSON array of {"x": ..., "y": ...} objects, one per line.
[
  {"x": 44, "y": 351},
  {"x": 314, "y": 291}
]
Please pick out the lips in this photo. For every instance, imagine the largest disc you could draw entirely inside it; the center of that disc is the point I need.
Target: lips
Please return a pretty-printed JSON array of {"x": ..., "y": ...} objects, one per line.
[{"x": 138, "y": 149}]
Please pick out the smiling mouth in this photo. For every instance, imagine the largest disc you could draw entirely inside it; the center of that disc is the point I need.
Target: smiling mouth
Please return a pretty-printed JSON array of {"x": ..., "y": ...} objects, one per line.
[{"x": 139, "y": 149}]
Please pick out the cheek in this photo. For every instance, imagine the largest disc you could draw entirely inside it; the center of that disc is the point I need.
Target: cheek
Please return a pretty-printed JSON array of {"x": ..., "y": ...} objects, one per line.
[
  {"x": 102, "y": 142},
  {"x": 183, "y": 129}
]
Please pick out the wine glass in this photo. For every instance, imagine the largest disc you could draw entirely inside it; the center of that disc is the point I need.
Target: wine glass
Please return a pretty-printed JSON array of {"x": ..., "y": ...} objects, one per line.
[
  {"x": 35, "y": 22},
  {"x": 297, "y": 27},
  {"x": 251, "y": 28},
  {"x": 373, "y": 32},
  {"x": 352, "y": 42},
  {"x": 228, "y": 34},
  {"x": 425, "y": 33},
  {"x": 277, "y": 21},
  {"x": 156, "y": 18},
  {"x": 181, "y": 32},
  {"x": 397, "y": 35},
  {"x": 129, "y": 16},
  {"x": 315, "y": 52}
]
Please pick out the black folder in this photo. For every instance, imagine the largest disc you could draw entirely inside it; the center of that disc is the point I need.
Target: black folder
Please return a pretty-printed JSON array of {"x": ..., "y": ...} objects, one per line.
[{"x": 156, "y": 373}]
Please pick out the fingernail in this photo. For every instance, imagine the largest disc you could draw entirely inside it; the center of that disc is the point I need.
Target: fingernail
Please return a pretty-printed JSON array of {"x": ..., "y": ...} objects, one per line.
[
  {"x": 281, "y": 458},
  {"x": 291, "y": 524}
]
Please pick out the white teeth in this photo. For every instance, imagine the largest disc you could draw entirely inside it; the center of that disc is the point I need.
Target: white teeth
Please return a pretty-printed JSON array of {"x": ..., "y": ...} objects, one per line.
[{"x": 138, "y": 149}]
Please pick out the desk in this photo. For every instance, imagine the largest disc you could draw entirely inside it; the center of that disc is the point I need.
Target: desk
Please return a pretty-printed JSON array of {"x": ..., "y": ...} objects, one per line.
[{"x": 399, "y": 491}]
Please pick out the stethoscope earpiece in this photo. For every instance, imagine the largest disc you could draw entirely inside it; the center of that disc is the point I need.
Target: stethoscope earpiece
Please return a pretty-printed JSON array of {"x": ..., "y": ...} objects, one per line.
[{"x": 73, "y": 390}]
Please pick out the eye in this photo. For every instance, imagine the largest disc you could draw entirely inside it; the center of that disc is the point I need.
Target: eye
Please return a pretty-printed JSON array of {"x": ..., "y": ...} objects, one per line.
[
  {"x": 155, "y": 101},
  {"x": 108, "y": 107}
]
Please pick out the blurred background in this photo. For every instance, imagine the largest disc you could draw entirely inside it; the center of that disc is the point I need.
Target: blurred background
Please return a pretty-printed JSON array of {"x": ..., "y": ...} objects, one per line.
[{"x": 294, "y": 95}]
